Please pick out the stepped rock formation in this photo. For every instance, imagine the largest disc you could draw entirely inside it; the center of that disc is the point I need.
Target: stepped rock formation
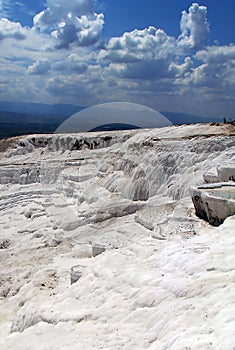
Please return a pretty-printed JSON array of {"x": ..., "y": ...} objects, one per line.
[
  {"x": 100, "y": 245},
  {"x": 214, "y": 203}
]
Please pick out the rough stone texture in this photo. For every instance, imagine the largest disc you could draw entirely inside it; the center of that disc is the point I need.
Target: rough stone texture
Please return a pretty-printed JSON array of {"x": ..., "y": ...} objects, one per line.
[
  {"x": 76, "y": 273},
  {"x": 97, "y": 249},
  {"x": 213, "y": 204},
  {"x": 226, "y": 172},
  {"x": 221, "y": 173},
  {"x": 166, "y": 278}
]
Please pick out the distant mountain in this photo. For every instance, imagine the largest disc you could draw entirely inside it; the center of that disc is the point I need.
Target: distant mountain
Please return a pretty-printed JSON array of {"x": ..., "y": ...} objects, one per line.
[
  {"x": 14, "y": 124},
  {"x": 17, "y": 118},
  {"x": 182, "y": 118},
  {"x": 39, "y": 108},
  {"x": 114, "y": 126}
]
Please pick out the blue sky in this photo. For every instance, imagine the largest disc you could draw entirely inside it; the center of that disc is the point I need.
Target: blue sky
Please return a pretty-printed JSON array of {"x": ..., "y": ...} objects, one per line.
[
  {"x": 176, "y": 56},
  {"x": 166, "y": 15}
]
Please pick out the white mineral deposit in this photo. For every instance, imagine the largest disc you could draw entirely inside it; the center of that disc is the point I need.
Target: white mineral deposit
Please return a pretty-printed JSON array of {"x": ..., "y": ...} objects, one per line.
[{"x": 162, "y": 278}]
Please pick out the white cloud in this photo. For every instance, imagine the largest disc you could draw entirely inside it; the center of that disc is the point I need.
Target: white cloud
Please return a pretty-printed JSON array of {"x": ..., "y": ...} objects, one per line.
[
  {"x": 216, "y": 71},
  {"x": 179, "y": 70},
  {"x": 71, "y": 88},
  {"x": 141, "y": 54},
  {"x": 81, "y": 31},
  {"x": 152, "y": 54},
  {"x": 59, "y": 12},
  {"x": 73, "y": 63},
  {"x": 147, "y": 44},
  {"x": 39, "y": 67},
  {"x": 194, "y": 26},
  {"x": 145, "y": 66},
  {"x": 12, "y": 30},
  {"x": 71, "y": 21},
  {"x": 5, "y": 7},
  {"x": 217, "y": 54}
]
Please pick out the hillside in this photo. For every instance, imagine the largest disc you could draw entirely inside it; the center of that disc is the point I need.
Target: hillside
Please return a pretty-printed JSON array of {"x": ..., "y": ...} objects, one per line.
[{"x": 21, "y": 118}]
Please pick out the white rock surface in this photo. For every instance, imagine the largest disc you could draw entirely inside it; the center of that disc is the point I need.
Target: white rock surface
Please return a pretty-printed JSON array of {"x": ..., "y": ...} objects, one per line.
[
  {"x": 166, "y": 278},
  {"x": 214, "y": 202}
]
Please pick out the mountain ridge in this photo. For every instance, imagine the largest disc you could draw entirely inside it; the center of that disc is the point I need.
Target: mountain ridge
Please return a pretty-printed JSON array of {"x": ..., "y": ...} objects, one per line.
[{"x": 18, "y": 118}]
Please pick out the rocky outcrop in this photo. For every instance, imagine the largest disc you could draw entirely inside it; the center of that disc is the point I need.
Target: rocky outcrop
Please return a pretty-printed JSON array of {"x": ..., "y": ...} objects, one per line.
[
  {"x": 76, "y": 273},
  {"x": 221, "y": 173},
  {"x": 214, "y": 203}
]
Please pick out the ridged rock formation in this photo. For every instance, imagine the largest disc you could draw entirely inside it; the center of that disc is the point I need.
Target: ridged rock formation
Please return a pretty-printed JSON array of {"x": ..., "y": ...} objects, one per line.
[{"x": 99, "y": 240}]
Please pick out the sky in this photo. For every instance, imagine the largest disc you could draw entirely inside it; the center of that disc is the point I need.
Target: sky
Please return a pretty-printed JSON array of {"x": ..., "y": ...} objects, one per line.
[{"x": 171, "y": 55}]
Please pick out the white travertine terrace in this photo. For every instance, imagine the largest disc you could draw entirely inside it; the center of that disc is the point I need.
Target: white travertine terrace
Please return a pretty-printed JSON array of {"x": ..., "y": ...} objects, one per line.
[
  {"x": 164, "y": 279},
  {"x": 214, "y": 202}
]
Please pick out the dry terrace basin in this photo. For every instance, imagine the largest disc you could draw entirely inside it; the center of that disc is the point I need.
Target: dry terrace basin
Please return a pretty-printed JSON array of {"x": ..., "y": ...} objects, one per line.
[{"x": 214, "y": 202}]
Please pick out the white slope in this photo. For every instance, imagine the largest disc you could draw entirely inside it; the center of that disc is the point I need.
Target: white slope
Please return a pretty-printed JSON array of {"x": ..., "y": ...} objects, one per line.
[{"x": 166, "y": 278}]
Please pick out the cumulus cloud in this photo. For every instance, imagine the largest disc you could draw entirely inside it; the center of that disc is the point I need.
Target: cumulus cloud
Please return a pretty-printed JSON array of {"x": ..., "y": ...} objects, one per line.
[
  {"x": 71, "y": 88},
  {"x": 141, "y": 54},
  {"x": 217, "y": 54},
  {"x": 61, "y": 10},
  {"x": 73, "y": 63},
  {"x": 146, "y": 44},
  {"x": 12, "y": 30},
  {"x": 216, "y": 70},
  {"x": 81, "y": 31},
  {"x": 194, "y": 26},
  {"x": 179, "y": 70},
  {"x": 39, "y": 67},
  {"x": 71, "y": 21},
  {"x": 147, "y": 66},
  {"x": 151, "y": 54}
]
